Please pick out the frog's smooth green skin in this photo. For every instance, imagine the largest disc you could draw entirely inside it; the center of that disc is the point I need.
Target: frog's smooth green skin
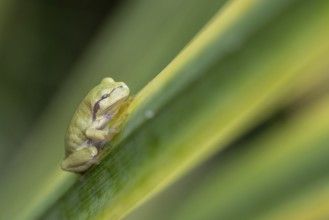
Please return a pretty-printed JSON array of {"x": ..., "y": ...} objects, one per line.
[{"x": 96, "y": 120}]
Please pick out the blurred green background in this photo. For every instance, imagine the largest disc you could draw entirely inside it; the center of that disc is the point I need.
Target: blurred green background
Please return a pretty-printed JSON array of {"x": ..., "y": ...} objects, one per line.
[
  {"x": 275, "y": 166},
  {"x": 40, "y": 42}
]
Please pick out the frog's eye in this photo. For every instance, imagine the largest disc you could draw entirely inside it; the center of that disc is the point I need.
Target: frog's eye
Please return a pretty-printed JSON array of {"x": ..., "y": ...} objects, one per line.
[
  {"x": 108, "y": 94},
  {"x": 105, "y": 96}
]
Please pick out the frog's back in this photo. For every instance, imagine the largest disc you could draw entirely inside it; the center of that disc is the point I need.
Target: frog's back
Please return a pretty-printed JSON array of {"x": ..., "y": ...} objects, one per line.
[{"x": 75, "y": 138}]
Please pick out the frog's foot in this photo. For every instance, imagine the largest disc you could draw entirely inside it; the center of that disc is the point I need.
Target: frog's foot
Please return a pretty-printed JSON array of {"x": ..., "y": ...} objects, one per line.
[{"x": 81, "y": 160}]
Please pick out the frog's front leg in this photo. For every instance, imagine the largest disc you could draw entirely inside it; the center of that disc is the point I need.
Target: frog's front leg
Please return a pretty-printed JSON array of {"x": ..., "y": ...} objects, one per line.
[
  {"x": 80, "y": 160},
  {"x": 95, "y": 134},
  {"x": 104, "y": 129},
  {"x": 96, "y": 131}
]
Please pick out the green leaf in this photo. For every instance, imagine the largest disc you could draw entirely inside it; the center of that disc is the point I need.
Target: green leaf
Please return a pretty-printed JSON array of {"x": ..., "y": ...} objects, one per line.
[
  {"x": 207, "y": 96},
  {"x": 264, "y": 178},
  {"x": 119, "y": 50}
]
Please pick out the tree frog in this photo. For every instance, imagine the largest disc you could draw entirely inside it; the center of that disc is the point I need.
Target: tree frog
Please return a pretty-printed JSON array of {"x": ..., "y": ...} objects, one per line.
[{"x": 96, "y": 120}]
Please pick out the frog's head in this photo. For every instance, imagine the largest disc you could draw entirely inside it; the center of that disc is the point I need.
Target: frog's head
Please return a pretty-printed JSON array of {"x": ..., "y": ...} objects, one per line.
[{"x": 109, "y": 96}]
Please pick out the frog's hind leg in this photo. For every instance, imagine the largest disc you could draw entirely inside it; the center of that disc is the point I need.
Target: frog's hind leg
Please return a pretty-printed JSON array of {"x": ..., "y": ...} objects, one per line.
[{"x": 81, "y": 160}]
